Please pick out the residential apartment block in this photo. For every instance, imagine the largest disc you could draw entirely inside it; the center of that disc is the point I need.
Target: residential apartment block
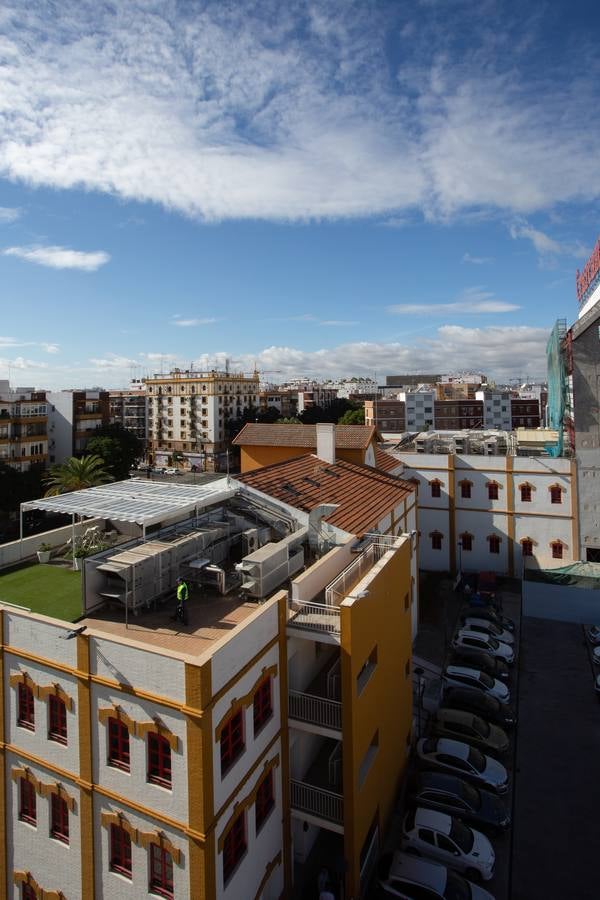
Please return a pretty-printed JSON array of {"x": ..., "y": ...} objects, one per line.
[
  {"x": 23, "y": 427},
  {"x": 128, "y": 408},
  {"x": 146, "y": 757},
  {"x": 492, "y": 512},
  {"x": 188, "y": 412},
  {"x": 73, "y": 418}
]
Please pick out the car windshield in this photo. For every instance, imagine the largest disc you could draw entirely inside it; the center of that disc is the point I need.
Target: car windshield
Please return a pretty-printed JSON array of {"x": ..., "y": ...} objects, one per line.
[
  {"x": 462, "y": 836},
  {"x": 456, "y": 887},
  {"x": 493, "y": 642},
  {"x": 476, "y": 759},
  {"x": 485, "y": 680},
  {"x": 470, "y": 795},
  {"x": 482, "y": 728}
]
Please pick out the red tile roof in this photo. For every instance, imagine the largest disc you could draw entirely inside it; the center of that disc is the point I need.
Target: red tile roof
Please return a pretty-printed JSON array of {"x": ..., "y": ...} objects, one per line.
[
  {"x": 364, "y": 495},
  {"x": 385, "y": 462},
  {"x": 347, "y": 437}
]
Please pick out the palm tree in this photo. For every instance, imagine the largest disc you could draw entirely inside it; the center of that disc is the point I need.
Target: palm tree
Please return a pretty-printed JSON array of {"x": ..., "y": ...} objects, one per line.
[{"x": 75, "y": 474}]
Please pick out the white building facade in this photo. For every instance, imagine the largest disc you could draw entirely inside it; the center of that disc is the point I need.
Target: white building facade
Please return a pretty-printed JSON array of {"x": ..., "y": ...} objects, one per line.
[{"x": 487, "y": 513}]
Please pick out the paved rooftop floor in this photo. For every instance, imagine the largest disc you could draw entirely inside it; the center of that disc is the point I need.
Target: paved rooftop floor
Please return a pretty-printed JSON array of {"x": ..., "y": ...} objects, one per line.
[{"x": 557, "y": 779}]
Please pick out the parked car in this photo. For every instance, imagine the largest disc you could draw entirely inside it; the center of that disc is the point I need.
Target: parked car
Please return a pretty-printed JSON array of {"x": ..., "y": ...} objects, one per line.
[
  {"x": 484, "y": 627},
  {"x": 466, "y": 726},
  {"x": 466, "y": 638},
  {"x": 461, "y": 759},
  {"x": 452, "y": 795},
  {"x": 406, "y": 877},
  {"x": 597, "y": 685},
  {"x": 484, "y": 705},
  {"x": 489, "y": 614},
  {"x": 480, "y": 659},
  {"x": 446, "y": 839},
  {"x": 593, "y": 634},
  {"x": 464, "y": 676},
  {"x": 171, "y": 470}
]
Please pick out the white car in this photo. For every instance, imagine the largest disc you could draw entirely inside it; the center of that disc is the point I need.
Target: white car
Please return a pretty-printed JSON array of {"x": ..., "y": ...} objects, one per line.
[
  {"x": 465, "y": 676},
  {"x": 474, "y": 641},
  {"x": 171, "y": 470},
  {"x": 445, "y": 839},
  {"x": 461, "y": 759},
  {"x": 405, "y": 877},
  {"x": 484, "y": 627}
]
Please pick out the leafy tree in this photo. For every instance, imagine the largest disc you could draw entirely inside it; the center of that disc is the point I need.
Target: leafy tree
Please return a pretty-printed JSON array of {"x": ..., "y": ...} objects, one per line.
[
  {"x": 331, "y": 413},
  {"x": 17, "y": 487},
  {"x": 289, "y": 420},
  {"x": 119, "y": 447},
  {"x": 353, "y": 417},
  {"x": 75, "y": 474}
]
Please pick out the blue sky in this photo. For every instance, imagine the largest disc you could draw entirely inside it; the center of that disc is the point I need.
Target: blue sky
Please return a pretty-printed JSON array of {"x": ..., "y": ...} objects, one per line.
[{"x": 323, "y": 188}]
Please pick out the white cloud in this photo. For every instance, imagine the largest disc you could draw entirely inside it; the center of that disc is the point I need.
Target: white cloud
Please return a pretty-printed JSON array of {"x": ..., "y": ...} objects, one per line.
[
  {"x": 338, "y": 323},
  {"x": 157, "y": 357},
  {"x": 288, "y": 112},
  {"x": 544, "y": 244},
  {"x": 9, "y": 214},
  {"x": 50, "y": 348},
  {"x": 113, "y": 361},
  {"x": 7, "y": 342},
  {"x": 60, "y": 257},
  {"x": 473, "y": 301},
  {"x": 192, "y": 323},
  {"x": 477, "y": 260}
]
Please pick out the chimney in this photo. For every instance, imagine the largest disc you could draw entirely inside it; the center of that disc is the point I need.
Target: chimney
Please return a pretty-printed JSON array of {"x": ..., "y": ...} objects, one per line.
[{"x": 326, "y": 442}]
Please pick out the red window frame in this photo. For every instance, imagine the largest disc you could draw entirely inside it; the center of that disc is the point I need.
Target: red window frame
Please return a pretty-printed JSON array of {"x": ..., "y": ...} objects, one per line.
[
  {"x": 26, "y": 707},
  {"x": 234, "y": 846},
  {"x": 57, "y": 719},
  {"x": 436, "y": 541},
  {"x": 557, "y": 550},
  {"x": 161, "y": 871},
  {"x": 494, "y": 542},
  {"x": 436, "y": 489},
  {"x": 120, "y": 851},
  {"x": 263, "y": 704},
  {"x": 59, "y": 818},
  {"x": 492, "y": 491},
  {"x": 232, "y": 740},
  {"x": 465, "y": 490},
  {"x": 525, "y": 493},
  {"x": 265, "y": 800},
  {"x": 28, "y": 893},
  {"x": 27, "y": 802},
  {"x": 466, "y": 541},
  {"x": 555, "y": 494},
  {"x": 159, "y": 760},
  {"x": 527, "y": 548},
  {"x": 118, "y": 744}
]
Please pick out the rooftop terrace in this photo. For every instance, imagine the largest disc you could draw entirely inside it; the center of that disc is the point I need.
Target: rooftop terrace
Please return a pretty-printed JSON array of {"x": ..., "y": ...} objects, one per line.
[{"x": 49, "y": 590}]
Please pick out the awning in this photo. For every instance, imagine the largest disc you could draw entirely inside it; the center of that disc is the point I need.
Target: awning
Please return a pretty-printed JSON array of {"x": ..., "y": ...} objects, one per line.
[{"x": 142, "y": 502}]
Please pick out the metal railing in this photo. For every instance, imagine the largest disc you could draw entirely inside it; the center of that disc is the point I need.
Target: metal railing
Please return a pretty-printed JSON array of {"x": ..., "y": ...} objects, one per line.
[
  {"x": 316, "y": 616},
  {"x": 324, "y": 804},
  {"x": 316, "y": 710},
  {"x": 349, "y": 577}
]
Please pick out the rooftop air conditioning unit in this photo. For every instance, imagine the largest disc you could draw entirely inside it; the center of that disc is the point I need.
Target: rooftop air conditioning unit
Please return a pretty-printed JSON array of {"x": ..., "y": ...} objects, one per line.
[{"x": 250, "y": 541}]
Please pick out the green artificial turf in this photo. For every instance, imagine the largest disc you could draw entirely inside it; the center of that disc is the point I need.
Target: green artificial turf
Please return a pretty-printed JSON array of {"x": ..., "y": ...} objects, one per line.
[{"x": 49, "y": 590}]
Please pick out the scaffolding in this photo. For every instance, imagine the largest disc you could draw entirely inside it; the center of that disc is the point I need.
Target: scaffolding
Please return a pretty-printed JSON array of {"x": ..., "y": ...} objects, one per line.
[{"x": 559, "y": 410}]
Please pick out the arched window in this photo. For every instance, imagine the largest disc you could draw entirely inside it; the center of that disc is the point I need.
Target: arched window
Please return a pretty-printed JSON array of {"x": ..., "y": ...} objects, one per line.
[
  {"x": 527, "y": 547},
  {"x": 465, "y": 488},
  {"x": 436, "y": 540},
  {"x": 118, "y": 744},
  {"x": 57, "y": 719},
  {"x": 492, "y": 489},
  {"x": 466, "y": 541},
  {"x": 555, "y": 493},
  {"x": 494, "y": 541},
  {"x": 526, "y": 490},
  {"x": 59, "y": 818},
  {"x": 26, "y": 709},
  {"x": 436, "y": 487},
  {"x": 557, "y": 548}
]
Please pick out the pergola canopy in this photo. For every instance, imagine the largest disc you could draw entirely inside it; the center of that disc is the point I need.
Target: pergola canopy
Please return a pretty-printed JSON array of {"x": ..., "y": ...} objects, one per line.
[{"x": 142, "y": 502}]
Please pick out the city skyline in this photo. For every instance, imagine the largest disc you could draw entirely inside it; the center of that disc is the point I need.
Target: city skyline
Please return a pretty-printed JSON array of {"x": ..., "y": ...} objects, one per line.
[{"x": 333, "y": 189}]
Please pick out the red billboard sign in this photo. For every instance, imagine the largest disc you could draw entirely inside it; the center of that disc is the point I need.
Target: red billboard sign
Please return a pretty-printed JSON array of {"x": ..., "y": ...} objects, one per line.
[{"x": 584, "y": 279}]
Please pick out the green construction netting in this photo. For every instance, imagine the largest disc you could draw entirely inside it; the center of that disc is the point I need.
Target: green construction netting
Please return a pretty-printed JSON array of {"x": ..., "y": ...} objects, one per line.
[
  {"x": 557, "y": 385},
  {"x": 580, "y": 574}
]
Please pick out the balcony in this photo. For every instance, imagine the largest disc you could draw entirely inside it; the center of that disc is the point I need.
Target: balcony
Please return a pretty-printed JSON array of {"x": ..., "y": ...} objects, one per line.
[
  {"x": 319, "y": 793},
  {"x": 320, "y": 704},
  {"x": 316, "y": 617}
]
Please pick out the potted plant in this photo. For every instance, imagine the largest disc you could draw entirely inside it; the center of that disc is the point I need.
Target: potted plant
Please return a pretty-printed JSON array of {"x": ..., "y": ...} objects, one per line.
[{"x": 44, "y": 552}]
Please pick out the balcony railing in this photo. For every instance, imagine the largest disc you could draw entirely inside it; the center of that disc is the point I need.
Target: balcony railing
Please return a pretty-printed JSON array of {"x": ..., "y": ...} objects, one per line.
[
  {"x": 315, "y": 710},
  {"x": 325, "y": 804},
  {"x": 317, "y": 617},
  {"x": 349, "y": 577}
]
